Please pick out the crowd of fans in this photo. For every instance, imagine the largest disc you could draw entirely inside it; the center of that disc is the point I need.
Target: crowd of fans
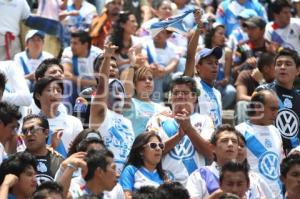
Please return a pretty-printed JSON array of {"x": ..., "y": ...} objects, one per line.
[{"x": 108, "y": 99}]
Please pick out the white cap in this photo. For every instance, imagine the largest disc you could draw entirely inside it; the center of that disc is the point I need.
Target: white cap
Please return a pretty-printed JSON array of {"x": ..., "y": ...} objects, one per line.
[
  {"x": 32, "y": 33},
  {"x": 295, "y": 1}
]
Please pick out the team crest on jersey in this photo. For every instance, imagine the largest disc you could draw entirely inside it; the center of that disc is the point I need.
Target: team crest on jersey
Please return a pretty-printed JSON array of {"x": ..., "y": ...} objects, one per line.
[
  {"x": 183, "y": 150},
  {"x": 287, "y": 123},
  {"x": 288, "y": 103},
  {"x": 41, "y": 167},
  {"x": 268, "y": 143},
  {"x": 268, "y": 165}
]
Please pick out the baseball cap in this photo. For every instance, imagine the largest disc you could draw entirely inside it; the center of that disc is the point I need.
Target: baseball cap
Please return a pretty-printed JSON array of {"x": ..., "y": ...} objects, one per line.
[
  {"x": 32, "y": 33},
  {"x": 246, "y": 14},
  {"x": 93, "y": 136},
  {"x": 255, "y": 22},
  {"x": 206, "y": 52}
]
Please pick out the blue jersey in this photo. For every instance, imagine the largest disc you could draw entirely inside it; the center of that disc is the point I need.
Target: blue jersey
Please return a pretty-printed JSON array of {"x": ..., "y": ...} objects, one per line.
[
  {"x": 133, "y": 178},
  {"x": 228, "y": 11}
]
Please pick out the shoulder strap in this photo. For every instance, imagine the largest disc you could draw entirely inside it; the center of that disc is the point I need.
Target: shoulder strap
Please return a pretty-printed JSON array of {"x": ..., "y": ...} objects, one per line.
[{"x": 24, "y": 66}]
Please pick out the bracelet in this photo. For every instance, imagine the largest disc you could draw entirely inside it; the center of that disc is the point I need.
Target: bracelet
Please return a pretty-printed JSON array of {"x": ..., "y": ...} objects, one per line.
[{"x": 72, "y": 166}]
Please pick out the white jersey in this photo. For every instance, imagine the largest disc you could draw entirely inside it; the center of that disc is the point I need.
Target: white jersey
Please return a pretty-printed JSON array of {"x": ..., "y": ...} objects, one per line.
[
  {"x": 288, "y": 36},
  {"x": 70, "y": 126},
  {"x": 82, "y": 66},
  {"x": 264, "y": 152},
  {"x": 209, "y": 101},
  {"x": 77, "y": 189},
  {"x": 198, "y": 188},
  {"x": 118, "y": 136},
  {"x": 24, "y": 62},
  {"x": 183, "y": 159}
]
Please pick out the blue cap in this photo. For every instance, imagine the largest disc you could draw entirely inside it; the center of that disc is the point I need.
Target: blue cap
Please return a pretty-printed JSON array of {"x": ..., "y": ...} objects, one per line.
[
  {"x": 246, "y": 14},
  {"x": 206, "y": 52}
]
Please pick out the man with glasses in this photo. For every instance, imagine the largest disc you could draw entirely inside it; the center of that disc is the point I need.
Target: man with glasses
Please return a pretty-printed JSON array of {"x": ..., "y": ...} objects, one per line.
[
  {"x": 184, "y": 132},
  {"x": 264, "y": 144},
  {"x": 9, "y": 116},
  {"x": 35, "y": 131}
]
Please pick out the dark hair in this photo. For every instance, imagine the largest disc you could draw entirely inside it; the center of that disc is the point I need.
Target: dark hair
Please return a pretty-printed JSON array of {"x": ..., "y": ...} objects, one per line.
[
  {"x": 116, "y": 37},
  {"x": 265, "y": 59},
  {"x": 210, "y": 34},
  {"x": 158, "y": 3},
  {"x": 258, "y": 98},
  {"x": 17, "y": 164},
  {"x": 3, "y": 81},
  {"x": 46, "y": 189},
  {"x": 43, "y": 121},
  {"x": 220, "y": 129},
  {"x": 233, "y": 166},
  {"x": 80, "y": 143},
  {"x": 278, "y": 5},
  {"x": 288, "y": 52},
  {"x": 95, "y": 159},
  {"x": 188, "y": 81},
  {"x": 172, "y": 190},
  {"x": 45, "y": 65},
  {"x": 40, "y": 86},
  {"x": 83, "y": 36},
  {"x": 8, "y": 113},
  {"x": 288, "y": 162},
  {"x": 145, "y": 192},
  {"x": 98, "y": 62},
  {"x": 135, "y": 158}
]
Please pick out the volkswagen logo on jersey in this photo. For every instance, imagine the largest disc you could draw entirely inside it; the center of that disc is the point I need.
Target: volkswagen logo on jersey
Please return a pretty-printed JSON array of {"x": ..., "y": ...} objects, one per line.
[
  {"x": 287, "y": 123},
  {"x": 183, "y": 150},
  {"x": 268, "y": 165}
]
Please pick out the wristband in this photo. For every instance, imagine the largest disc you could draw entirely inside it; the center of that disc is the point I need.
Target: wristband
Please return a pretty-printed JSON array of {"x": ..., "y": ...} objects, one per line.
[{"x": 72, "y": 166}]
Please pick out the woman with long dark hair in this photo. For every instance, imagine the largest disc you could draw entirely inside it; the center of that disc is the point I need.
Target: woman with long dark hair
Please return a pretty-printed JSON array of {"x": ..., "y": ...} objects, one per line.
[
  {"x": 122, "y": 36},
  {"x": 143, "y": 166}
]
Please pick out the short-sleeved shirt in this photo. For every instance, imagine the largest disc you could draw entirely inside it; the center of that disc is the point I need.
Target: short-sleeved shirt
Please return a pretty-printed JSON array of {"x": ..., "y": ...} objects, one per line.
[
  {"x": 133, "y": 178},
  {"x": 288, "y": 36},
  {"x": 118, "y": 136},
  {"x": 264, "y": 152}
]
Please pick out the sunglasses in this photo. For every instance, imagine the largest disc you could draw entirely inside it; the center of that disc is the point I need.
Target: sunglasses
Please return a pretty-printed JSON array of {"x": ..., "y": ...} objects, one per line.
[
  {"x": 33, "y": 130},
  {"x": 154, "y": 145}
]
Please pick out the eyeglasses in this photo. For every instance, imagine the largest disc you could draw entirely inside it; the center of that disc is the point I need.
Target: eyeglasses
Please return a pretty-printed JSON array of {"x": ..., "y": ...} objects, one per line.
[
  {"x": 154, "y": 145},
  {"x": 33, "y": 130}
]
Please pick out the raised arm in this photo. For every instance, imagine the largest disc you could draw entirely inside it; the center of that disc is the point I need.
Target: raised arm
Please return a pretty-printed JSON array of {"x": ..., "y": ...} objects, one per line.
[
  {"x": 192, "y": 46},
  {"x": 99, "y": 102}
]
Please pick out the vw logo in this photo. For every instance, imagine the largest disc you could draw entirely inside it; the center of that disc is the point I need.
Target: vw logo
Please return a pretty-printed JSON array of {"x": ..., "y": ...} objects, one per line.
[
  {"x": 268, "y": 165},
  {"x": 287, "y": 123},
  {"x": 183, "y": 150}
]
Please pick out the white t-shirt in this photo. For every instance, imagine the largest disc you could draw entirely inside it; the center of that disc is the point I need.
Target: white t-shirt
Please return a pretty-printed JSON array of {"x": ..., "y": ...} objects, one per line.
[
  {"x": 118, "y": 136},
  {"x": 84, "y": 64},
  {"x": 11, "y": 13},
  {"x": 288, "y": 36},
  {"x": 197, "y": 186},
  {"x": 71, "y": 127},
  {"x": 264, "y": 152},
  {"x": 209, "y": 102},
  {"x": 183, "y": 159},
  {"x": 16, "y": 89}
]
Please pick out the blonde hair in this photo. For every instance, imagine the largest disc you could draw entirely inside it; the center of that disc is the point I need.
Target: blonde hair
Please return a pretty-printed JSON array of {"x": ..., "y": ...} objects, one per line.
[{"x": 140, "y": 72}]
